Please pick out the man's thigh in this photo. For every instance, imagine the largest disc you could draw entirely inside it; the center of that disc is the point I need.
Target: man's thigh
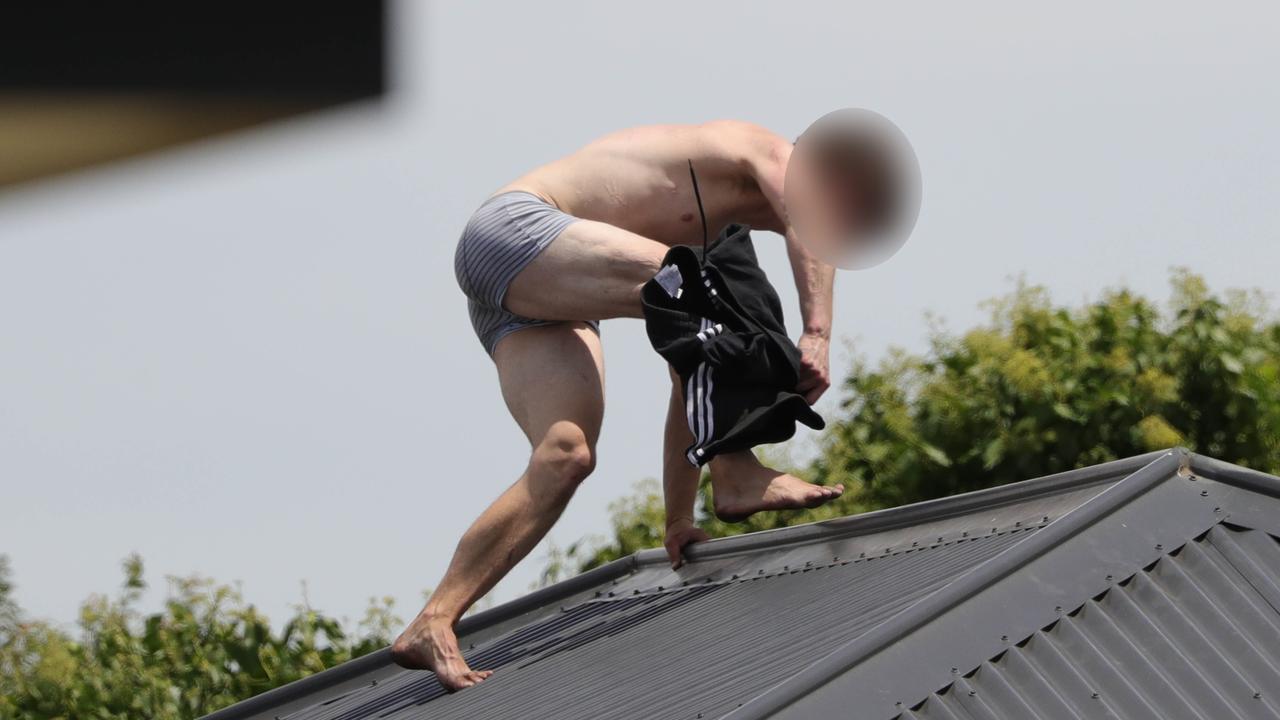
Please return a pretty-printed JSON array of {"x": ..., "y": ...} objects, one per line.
[
  {"x": 552, "y": 379},
  {"x": 591, "y": 271}
]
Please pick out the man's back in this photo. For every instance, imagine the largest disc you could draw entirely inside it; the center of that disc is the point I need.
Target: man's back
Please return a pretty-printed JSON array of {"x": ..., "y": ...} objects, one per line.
[{"x": 638, "y": 179}]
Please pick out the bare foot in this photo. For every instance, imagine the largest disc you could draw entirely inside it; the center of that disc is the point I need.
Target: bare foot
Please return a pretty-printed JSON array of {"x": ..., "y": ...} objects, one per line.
[
  {"x": 741, "y": 486},
  {"x": 430, "y": 644}
]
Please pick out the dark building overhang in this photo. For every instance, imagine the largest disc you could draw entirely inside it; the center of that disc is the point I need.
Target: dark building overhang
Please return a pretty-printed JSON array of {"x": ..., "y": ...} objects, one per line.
[{"x": 86, "y": 83}]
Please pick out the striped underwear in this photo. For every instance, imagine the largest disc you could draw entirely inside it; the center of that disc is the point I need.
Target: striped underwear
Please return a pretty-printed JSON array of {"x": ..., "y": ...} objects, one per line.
[{"x": 503, "y": 236}]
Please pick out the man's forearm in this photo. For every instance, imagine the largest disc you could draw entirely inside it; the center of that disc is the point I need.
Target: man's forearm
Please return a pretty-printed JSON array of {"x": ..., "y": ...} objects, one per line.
[
  {"x": 814, "y": 282},
  {"x": 679, "y": 478}
]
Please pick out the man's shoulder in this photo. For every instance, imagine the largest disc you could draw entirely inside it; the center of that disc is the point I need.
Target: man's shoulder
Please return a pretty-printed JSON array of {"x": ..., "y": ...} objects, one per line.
[{"x": 757, "y": 149}]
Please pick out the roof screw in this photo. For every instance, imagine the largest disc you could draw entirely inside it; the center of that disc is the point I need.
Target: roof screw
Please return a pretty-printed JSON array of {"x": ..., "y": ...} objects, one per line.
[
  {"x": 808, "y": 563},
  {"x": 1044, "y": 519},
  {"x": 1018, "y": 524},
  {"x": 1004, "y": 638},
  {"x": 598, "y": 593},
  {"x": 862, "y": 554},
  {"x": 734, "y": 577},
  {"x": 835, "y": 558},
  {"x": 1159, "y": 546},
  {"x": 939, "y": 538},
  {"x": 760, "y": 572},
  {"x": 786, "y": 567},
  {"x": 1217, "y": 509},
  {"x": 964, "y": 534},
  {"x": 914, "y": 543},
  {"x": 973, "y": 693},
  {"x": 1257, "y": 696},
  {"x": 610, "y": 593},
  {"x": 995, "y": 529},
  {"x": 659, "y": 588},
  {"x": 955, "y": 671},
  {"x": 1057, "y": 608},
  {"x": 1094, "y": 695},
  {"x": 886, "y": 551},
  {"x": 635, "y": 592},
  {"x": 1111, "y": 578},
  {"x": 1204, "y": 493}
]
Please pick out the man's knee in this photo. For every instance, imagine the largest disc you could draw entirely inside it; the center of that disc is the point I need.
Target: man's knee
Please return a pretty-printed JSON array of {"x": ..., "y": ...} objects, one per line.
[{"x": 564, "y": 457}]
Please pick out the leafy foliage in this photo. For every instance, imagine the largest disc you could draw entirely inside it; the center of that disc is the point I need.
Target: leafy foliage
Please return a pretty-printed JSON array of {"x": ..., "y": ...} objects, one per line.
[
  {"x": 1037, "y": 389},
  {"x": 205, "y": 650}
]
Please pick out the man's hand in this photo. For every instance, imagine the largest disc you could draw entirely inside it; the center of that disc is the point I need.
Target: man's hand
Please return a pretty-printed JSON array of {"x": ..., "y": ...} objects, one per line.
[
  {"x": 681, "y": 532},
  {"x": 815, "y": 375}
]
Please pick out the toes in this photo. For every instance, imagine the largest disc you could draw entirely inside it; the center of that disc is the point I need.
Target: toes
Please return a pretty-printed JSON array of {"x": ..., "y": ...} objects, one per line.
[{"x": 465, "y": 680}]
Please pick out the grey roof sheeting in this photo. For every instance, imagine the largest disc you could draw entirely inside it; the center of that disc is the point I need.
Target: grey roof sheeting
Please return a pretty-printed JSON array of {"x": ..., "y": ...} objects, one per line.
[
  {"x": 897, "y": 613},
  {"x": 1193, "y": 636}
]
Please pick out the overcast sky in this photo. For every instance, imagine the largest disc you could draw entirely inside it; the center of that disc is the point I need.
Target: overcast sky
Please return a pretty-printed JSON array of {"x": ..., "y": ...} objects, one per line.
[{"x": 248, "y": 358}]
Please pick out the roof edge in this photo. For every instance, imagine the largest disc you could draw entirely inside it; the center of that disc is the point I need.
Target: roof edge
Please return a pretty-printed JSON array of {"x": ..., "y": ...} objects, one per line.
[
  {"x": 1242, "y": 477},
  {"x": 915, "y": 513},
  {"x": 856, "y": 651},
  {"x": 276, "y": 697}
]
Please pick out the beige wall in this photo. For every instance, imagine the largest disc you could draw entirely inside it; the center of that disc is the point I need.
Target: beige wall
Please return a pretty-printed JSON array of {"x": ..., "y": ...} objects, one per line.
[{"x": 46, "y": 134}]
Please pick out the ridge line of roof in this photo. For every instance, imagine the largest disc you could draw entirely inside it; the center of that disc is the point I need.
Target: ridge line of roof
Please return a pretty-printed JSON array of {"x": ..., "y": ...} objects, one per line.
[
  {"x": 377, "y": 659},
  {"x": 855, "y": 651},
  {"x": 1243, "y": 477},
  {"x": 907, "y": 515}
]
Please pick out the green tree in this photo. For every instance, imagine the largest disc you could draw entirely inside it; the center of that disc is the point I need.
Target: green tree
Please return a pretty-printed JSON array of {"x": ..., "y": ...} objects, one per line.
[
  {"x": 204, "y": 650},
  {"x": 1035, "y": 390}
]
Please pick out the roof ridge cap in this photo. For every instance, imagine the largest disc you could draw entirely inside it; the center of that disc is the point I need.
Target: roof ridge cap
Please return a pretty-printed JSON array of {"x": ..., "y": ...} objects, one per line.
[{"x": 959, "y": 589}]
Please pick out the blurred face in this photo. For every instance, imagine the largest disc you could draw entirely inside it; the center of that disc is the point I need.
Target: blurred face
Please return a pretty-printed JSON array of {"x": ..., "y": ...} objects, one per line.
[{"x": 849, "y": 191}]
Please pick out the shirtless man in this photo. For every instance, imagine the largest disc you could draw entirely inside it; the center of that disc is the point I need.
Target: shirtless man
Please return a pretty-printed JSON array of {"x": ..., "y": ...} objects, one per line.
[{"x": 542, "y": 261}]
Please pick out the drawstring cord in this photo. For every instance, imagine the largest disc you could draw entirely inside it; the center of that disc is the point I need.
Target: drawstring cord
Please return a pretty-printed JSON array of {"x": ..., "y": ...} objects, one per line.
[{"x": 698, "y": 196}]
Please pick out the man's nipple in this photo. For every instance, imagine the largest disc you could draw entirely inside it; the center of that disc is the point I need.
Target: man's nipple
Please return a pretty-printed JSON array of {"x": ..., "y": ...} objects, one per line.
[{"x": 687, "y": 217}]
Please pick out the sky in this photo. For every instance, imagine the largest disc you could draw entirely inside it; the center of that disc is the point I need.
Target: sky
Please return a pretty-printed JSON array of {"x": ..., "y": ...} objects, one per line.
[{"x": 248, "y": 358}]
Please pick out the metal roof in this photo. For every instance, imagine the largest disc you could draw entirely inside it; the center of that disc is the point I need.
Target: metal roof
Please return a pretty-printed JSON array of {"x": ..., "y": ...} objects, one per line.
[
  {"x": 1193, "y": 636},
  {"x": 924, "y": 611}
]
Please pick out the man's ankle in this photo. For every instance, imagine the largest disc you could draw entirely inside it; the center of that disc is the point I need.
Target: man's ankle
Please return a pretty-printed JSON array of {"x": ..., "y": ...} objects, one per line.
[{"x": 733, "y": 462}]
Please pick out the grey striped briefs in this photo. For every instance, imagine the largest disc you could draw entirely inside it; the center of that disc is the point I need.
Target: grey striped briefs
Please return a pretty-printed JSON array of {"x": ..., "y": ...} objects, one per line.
[{"x": 503, "y": 236}]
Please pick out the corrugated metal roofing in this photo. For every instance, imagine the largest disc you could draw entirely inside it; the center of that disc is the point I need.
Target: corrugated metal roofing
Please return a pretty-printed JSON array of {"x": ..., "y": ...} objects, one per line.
[
  {"x": 1194, "y": 636},
  {"x": 867, "y": 616},
  {"x": 746, "y": 633}
]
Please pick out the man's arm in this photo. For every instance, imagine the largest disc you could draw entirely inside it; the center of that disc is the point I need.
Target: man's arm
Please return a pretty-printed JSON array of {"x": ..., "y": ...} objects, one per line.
[
  {"x": 679, "y": 479},
  {"x": 814, "y": 278}
]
